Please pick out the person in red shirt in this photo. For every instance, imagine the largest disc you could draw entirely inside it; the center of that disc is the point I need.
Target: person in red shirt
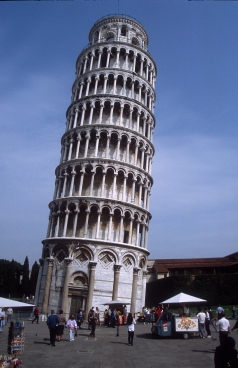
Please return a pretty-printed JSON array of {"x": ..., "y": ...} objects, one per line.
[
  {"x": 36, "y": 314},
  {"x": 158, "y": 312}
]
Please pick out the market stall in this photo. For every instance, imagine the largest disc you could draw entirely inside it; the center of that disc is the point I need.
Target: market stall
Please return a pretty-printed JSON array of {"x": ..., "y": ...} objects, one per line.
[
  {"x": 170, "y": 325},
  {"x": 16, "y": 336},
  {"x": 118, "y": 305}
]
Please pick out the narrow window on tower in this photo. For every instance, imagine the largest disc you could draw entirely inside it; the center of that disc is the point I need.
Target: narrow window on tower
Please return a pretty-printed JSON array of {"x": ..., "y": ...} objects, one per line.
[
  {"x": 123, "y": 31},
  {"x": 126, "y": 236}
]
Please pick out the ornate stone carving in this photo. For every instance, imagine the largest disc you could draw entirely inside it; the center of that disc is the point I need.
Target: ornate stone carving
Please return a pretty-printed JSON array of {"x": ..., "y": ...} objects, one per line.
[
  {"x": 128, "y": 263},
  {"x": 106, "y": 259},
  {"x": 82, "y": 257}
]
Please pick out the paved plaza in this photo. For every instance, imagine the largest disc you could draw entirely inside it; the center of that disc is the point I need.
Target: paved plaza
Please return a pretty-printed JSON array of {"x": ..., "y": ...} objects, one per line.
[{"x": 107, "y": 350}]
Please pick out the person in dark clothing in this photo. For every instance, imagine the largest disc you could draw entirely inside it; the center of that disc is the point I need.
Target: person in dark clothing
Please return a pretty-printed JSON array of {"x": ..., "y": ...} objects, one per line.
[
  {"x": 93, "y": 320},
  {"x": 235, "y": 326},
  {"x": 113, "y": 318},
  {"x": 52, "y": 321},
  {"x": 212, "y": 322},
  {"x": 79, "y": 319},
  {"x": 226, "y": 355},
  {"x": 36, "y": 314},
  {"x": 207, "y": 323}
]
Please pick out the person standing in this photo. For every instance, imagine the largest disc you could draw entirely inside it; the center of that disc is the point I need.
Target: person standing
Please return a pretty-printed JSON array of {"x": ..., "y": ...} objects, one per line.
[
  {"x": 201, "y": 319},
  {"x": 2, "y": 319},
  {"x": 52, "y": 321},
  {"x": 186, "y": 310},
  {"x": 109, "y": 316},
  {"x": 233, "y": 310},
  {"x": 158, "y": 312},
  {"x": 235, "y": 326},
  {"x": 219, "y": 311},
  {"x": 131, "y": 328},
  {"x": 147, "y": 316},
  {"x": 124, "y": 314},
  {"x": 212, "y": 322},
  {"x": 226, "y": 356},
  {"x": 113, "y": 318},
  {"x": 144, "y": 311},
  {"x": 98, "y": 316},
  {"x": 79, "y": 318},
  {"x": 152, "y": 315},
  {"x": 9, "y": 314},
  {"x": 93, "y": 320},
  {"x": 36, "y": 314},
  {"x": 72, "y": 325},
  {"x": 207, "y": 323},
  {"x": 224, "y": 329},
  {"x": 60, "y": 327}
]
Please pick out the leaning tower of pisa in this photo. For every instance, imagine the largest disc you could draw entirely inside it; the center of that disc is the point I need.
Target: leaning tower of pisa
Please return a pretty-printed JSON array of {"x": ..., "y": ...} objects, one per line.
[{"x": 95, "y": 249}]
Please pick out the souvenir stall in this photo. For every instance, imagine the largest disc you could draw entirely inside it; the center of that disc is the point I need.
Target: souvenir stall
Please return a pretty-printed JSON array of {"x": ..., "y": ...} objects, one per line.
[{"x": 16, "y": 337}]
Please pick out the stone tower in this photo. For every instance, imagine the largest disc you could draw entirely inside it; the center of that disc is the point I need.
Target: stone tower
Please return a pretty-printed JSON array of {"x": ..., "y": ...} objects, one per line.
[{"x": 96, "y": 244}]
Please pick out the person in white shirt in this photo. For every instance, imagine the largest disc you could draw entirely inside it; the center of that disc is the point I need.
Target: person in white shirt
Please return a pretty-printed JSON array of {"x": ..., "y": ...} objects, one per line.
[
  {"x": 201, "y": 319},
  {"x": 9, "y": 314},
  {"x": 224, "y": 329},
  {"x": 72, "y": 325},
  {"x": 186, "y": 310},
  {"x": 2, "y": 319},
  {"x": 131, "y": 328}
]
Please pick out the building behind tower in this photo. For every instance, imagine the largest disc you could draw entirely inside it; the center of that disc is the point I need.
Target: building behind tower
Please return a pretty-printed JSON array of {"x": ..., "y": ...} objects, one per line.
[{"x": 96, "y": 244}]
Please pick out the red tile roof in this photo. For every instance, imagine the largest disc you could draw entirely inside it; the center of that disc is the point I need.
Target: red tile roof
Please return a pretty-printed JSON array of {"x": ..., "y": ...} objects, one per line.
[{"x": 163, "y": 265}]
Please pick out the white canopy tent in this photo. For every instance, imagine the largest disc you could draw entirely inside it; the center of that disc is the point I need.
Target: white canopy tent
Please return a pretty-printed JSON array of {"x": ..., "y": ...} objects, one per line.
[
  {"x": 183, "y": 298},
  {"x": 5, "y": 303}
]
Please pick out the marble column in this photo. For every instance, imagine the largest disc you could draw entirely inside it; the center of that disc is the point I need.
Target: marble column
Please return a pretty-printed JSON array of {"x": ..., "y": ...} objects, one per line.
[
  {"x": 116, "y": 281},
  {"x": 121, "y": 230},
  {"x": 98, "y": 224},
  {"x": 143, "y": 288},
  {"x": 134, "y": 289},
  {"x": 41, "y": 260},
  {"x": 70, "y": 148},
  {"x": 92, "y": 268},
  {"x": 64, "y": 302},
  {"x": 50, "y": 261}
]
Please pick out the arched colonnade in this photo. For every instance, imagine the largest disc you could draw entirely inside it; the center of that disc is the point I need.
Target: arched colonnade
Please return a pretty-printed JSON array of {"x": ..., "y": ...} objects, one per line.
[
  {"x": 101, "y": 222},
  {"x": 117, "y": 57},
  {"x": 81, "y": 265},
  {"x": 120, "y": 83},
  {"x": 107, "y": 144},
  {"x": 95, "y": 180},
  {"x": 110, "y": 111}
]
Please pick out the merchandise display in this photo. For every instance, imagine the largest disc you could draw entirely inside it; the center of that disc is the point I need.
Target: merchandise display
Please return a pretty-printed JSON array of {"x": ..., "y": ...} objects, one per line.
[
  {"x": 10, "y": 362},
  {"x": 15, "y": 345},
  {"x": 16, "y": 338}
]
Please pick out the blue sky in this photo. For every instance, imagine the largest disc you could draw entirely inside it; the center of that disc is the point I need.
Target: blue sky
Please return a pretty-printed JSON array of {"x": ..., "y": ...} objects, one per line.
[{"x": 194, "y": 201}]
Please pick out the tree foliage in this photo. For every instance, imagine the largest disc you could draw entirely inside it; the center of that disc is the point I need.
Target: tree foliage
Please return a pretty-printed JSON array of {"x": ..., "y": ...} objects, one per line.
[
  {"x": 219, "y": 288},
  {"x": 15, "y": 280},
  {"x": 25, "y": 277},
  {"x": 33, "y": 278}
]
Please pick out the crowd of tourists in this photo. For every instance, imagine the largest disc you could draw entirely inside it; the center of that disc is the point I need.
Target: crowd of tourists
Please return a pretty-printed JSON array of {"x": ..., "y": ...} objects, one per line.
[
  {"x": 225, "y": 353},
  {"x": 57, "y": 322}
]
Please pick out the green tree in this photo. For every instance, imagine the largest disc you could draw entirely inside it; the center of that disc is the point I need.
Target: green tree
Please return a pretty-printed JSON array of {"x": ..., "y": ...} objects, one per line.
[
  {"x": 33, "y": 278},
  {"x": 10, "y": 275},
  {"x": 25, "y": 277}
]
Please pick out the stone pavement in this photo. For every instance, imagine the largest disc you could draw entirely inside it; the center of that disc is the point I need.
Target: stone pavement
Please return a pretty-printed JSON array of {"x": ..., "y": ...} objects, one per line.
[{"x": 107, "y": 350}]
